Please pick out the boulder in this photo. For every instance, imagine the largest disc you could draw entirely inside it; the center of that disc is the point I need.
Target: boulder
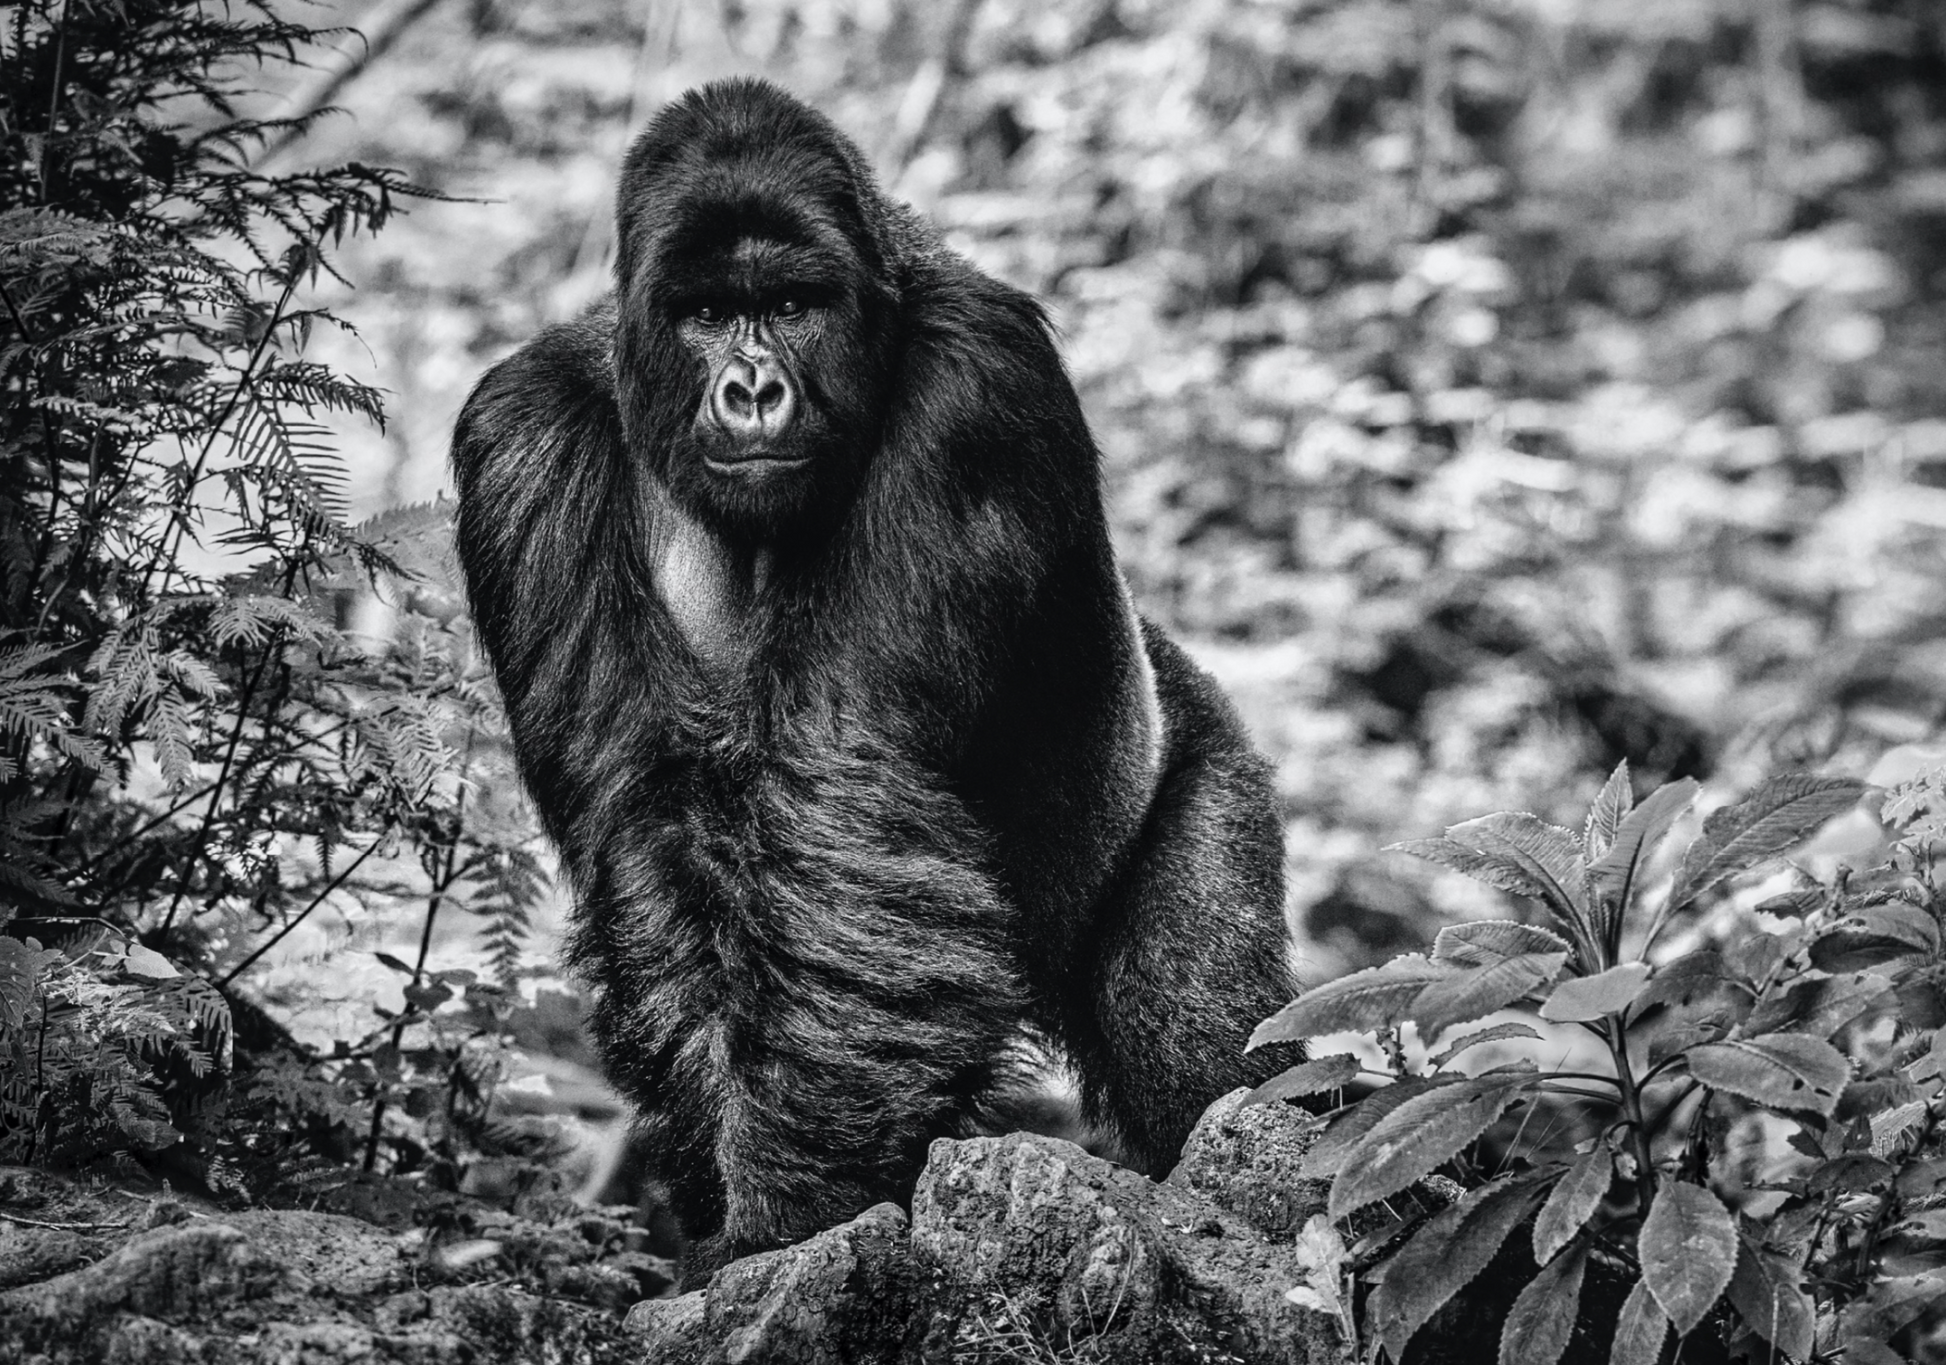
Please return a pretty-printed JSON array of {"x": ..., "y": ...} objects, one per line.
[
  {"x": 843, "y": 1297},
  {"x": 1026, "y": 1244}
]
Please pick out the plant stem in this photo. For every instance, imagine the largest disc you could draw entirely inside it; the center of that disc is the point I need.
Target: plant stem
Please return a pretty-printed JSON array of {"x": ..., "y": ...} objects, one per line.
[{"x": 1632, "y": 1107}]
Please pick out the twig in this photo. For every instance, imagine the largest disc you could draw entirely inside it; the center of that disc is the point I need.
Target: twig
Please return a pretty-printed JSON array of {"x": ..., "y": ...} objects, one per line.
[{"x": 58, "y": 1227}]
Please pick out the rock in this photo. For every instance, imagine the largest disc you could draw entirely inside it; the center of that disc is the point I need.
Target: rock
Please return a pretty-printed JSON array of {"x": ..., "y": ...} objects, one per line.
[
  {"x": 266, "y": 1287},
  {"x": 1245, "y": 1158},
  {"x": 1028, "y": 1244},
  {"x": 842, "y": 1298}
]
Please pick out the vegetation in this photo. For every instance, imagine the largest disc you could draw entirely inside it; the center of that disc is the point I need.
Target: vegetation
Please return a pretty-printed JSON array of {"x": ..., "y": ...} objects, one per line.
[
  {"x": 199, "y": 746},
  {"x": 1491, "y": 390},
  {"x": 1747, "y": 1176}
]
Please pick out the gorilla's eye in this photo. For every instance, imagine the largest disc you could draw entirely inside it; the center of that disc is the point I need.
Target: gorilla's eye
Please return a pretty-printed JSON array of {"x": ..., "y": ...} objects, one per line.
[
  {"x": 708, "y": 312},
  {"x": 790, "y": 306}
]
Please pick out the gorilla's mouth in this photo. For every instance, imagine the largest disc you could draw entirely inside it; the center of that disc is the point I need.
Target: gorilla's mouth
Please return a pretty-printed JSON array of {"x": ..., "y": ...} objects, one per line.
[{"x": 756, "y": 464}]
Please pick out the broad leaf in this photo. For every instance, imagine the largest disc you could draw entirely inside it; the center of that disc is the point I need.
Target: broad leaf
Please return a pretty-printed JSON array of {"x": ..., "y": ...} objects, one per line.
[
  {"x": 1483, "y": 942},
  {"x": 1819, "y": 1008},
  {"x": 1478, "y": 991},
  {"x": 1577, "y": 1195},
  {"x": 1781, "y": 813},
  {"x": 1528, "y": 847},
  {"x": 1542, "y": 1318},
  {"x": 1616, "y": 873},
  {"x": 148, "y": 964},
  {"x": 1688, "y": 1249},
  {"x": 1493, "y": 1033},
  {"x": 1307, "y": 1078},
  {"x": 1582, "y": 998},
  {"x": 1485, "y": 867},
  {"x": 1345, "y": 1129},
  {"x": 1882, "y": 933},
  {"x": 1777, "y": 1070},
  {"x": 1605, "y": 816},
  {"x": 1372, "y": 999},
  {"x": 1641, "y": 1329},
  {"x": 1770, "y": 1296},
  {"x": 1424, "y": 1131},
  {"x": 1444, "y": 1255}
]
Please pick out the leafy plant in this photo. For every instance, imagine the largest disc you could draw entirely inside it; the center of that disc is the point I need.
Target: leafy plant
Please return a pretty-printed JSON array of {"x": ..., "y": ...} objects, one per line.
[
  {"x": 1765, "y": 1149},
  {"x": 201, "y": 745}
]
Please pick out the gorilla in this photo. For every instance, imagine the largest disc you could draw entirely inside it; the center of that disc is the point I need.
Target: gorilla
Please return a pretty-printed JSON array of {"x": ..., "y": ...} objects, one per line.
[{"x": 791, "y": 562}]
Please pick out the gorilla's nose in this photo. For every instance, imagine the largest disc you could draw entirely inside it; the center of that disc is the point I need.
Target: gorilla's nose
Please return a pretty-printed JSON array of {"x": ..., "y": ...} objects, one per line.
[{"x": 753, "y": 400}]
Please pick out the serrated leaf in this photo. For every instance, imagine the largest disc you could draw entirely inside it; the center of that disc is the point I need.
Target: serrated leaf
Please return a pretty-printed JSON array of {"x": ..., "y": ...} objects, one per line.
[
  {"x": 1475, "y": 992},
  {"x": 1529, "y": 848},
  {"x": 1641, "y": 1329},
  {"x": 1444, "y": 1256},
  {"x": 1781, "y": 813},
  {"x": 1371, "y": 999},
  {"x": 1542, "y": 1318},
  {"x": 1820, "y": 1007},
  {"x": 1492, "y": 1034},
  {"x": 1688, "y": 1249},
  {"x": 1417, "y": 1136},
  {"x": 1575, "y": 1196},
  {"x": 1482, "y": 867},
  {"x": 1777, "y": 1070},
  {"x": 1771, "y": 1298},
  {"x": 1483, "y": 942},
  {"x": 1344, "y": 1131},
  {"x": 1615, "y": 874},
  {"x": 1307, "y": 1078},
  {"x": 1606, "y": 815},
  {"x": 1880, "y": 934},
  {"x": 1583, "y": 998}
]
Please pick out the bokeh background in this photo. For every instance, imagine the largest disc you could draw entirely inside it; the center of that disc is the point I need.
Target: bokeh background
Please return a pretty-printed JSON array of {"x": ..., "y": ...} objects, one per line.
[{"x": 1488, "y": 390}]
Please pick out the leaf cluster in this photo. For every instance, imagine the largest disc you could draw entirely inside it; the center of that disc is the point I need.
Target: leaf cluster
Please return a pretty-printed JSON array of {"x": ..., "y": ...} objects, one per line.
[
  {"x": 224, "y": 707},
  {"x": 1827, "y": 1034}
]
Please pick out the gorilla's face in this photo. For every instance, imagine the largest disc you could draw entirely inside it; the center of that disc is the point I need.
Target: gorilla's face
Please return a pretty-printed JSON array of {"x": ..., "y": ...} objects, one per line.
[{"x": 769, "y": 366}]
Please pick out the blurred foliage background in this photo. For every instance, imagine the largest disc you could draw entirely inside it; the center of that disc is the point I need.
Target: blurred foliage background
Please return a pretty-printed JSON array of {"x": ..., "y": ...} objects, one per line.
[{"x": 1489, "y": 390}]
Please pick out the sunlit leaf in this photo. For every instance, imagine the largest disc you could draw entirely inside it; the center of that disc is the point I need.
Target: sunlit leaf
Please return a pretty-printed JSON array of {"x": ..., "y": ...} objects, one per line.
[
  {"x": 1615, "y": 874},
  {"x": 148, "y": 964},
  {"x": 1307, "y": 1078},
  {"x": 1641, "y": 1329},
  {"x": 1417, "y": 1136},
  {"x": 1328, "y": 1151},
  {"x": 1542, "y": 1318},
  {"x": 1781, "y": 813},
  {"x": 1777, "y": 1070},
  {"x": 1582, "y": 998},
  {"x": 1493, "y": 1033},
  {"x": 1479, "y": 991},
  {"x": 1482, "y": 942},
  {"x": 1371, "y": 999},
  {"x": 1605, "y": 816},
  {"x": 1688, "y": 1249},
  {"x": 1529, "y": 848},
  {"x": 1575, "y": 1196}
]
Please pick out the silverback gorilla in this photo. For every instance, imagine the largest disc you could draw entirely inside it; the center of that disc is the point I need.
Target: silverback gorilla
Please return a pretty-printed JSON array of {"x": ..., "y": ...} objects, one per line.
[{"x": 792, "y": 564}]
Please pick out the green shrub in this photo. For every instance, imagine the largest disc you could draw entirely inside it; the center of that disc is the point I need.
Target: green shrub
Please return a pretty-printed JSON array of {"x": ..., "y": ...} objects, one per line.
[
  {"x": 1765, "y": 1150},
  {"x": 195, "y": 749}
]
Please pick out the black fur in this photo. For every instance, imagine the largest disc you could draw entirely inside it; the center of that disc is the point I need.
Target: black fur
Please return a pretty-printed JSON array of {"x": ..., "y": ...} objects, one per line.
[{"x": 861, "y": 769}]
